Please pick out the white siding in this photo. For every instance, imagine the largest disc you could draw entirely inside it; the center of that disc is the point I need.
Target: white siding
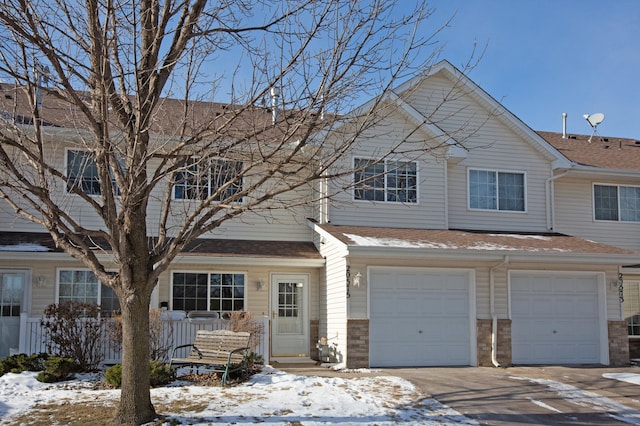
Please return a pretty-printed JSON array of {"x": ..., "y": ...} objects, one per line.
[
  {"x": 333, "y": 323},
  {"x": 573, "y": 200}
]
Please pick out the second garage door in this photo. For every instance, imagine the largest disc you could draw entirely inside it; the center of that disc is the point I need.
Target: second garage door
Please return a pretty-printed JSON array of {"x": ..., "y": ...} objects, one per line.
[
  {"x": 557, "y": 318},
  {"x": 421, "y": 317}
]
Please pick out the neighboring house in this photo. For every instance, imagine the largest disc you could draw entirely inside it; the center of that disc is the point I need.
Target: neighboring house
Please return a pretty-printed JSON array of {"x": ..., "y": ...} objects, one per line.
[{"x": 479, "y": 251}]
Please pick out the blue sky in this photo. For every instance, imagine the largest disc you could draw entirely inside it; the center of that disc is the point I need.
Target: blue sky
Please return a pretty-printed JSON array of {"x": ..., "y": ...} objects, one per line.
[{"x": 546, "y": 57}]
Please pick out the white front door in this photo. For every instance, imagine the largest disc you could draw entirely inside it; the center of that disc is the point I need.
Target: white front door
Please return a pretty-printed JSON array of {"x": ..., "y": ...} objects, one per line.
[
  {"x": 290, "y": 315},
  {"x": 13, "y": 299}
]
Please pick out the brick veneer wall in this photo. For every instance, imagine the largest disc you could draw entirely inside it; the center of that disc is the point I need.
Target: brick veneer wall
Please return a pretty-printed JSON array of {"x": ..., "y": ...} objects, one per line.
[
  {"x": 503, "y": 354},
  {"x": 357, "y": 343},
  {"x": 314, "y": 336},
  {"x": 618, "y": 344}
]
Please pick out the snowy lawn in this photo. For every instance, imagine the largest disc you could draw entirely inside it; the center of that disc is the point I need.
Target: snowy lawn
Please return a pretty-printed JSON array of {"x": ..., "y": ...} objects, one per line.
[{"x": 272, "y": 396}]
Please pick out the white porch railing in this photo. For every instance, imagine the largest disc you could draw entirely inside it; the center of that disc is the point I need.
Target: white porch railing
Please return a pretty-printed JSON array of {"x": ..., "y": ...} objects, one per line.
[{"x": 34, "y": 339}]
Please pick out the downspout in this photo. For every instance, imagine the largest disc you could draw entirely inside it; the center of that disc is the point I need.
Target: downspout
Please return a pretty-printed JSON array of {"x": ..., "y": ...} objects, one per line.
[
  {"x": 551, "y": 217},
  {"x": 494, "y": 316}
]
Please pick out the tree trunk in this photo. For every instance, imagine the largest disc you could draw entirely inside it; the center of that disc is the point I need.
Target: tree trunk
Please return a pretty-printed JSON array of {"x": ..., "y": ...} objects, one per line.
[{"x": 135, "y": 399}]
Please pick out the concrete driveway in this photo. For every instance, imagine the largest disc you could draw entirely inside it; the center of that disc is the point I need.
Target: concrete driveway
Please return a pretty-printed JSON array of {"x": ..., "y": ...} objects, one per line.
[
  {"x": 532, "y": 395},
  {"x": 523, "y": 395}
]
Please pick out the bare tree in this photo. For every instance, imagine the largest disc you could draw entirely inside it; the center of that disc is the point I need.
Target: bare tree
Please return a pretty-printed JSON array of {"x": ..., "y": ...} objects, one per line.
[{"x": 131, "y": 85}]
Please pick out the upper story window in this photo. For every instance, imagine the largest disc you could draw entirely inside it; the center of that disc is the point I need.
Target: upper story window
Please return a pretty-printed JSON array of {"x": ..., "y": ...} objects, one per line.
[
  {"x": 82, "y": 172},
  {"x": 216, "y": 291},
  {"x": 389, "y": 181},
  {"x": 616, "y": 203},
  {"x": 496, "y": 190},
  {"x": 83, "y": 286},
  {"x": 202, "y": 179}
]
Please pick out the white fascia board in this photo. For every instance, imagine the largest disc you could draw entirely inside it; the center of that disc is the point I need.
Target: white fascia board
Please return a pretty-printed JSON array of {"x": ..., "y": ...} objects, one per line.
[
  {"x": 44, "y": 256},
  {"x": 493, "y": 255},
  {"x": 255, "y": 261},
  {"x": 180, "y": 260}
]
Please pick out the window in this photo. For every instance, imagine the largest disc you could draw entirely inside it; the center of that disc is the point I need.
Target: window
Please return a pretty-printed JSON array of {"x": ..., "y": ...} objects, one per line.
[
  {"x": 390, "y": 181},
  {"x": 203, "y": 179},
  {"x": 82, "y": 172},
  {"x": 83, "y": 286},
  {"x": 616, "y": 203},
  {"x": 493, "y": 190},
  {"x": 632, "y": 306},
  {"x": 220, "y": 292}
]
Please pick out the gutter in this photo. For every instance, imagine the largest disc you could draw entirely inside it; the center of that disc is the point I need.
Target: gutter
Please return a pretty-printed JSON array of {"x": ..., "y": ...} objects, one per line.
[{"x": 494, "y": 316}]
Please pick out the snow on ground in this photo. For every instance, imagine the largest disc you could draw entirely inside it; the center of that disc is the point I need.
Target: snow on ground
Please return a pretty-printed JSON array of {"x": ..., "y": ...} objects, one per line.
[
  {"x": 590, "y": 399},
  {"x": 271, "y": 396}
]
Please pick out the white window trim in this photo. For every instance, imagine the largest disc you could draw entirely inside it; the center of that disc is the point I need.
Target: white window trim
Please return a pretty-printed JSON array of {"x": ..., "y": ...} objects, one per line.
[
  {"x": 593, "y": 202},
  {"x": 57, "y": 295},
  {"x": 497, "y": 210},
  {"x": 398, "y": 160},
  {"x": 209, "y": 273},
  {"x": 193, "y": 200}
]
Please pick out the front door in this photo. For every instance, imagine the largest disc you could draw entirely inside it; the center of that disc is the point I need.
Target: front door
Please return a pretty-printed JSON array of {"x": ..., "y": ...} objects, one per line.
[
  {"x": 289, "y": 315},
  {"x": 13, "y": 290}
]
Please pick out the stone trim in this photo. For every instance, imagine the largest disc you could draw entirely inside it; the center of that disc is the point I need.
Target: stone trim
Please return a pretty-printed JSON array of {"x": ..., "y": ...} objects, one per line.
[
  {"x": 618, "y": 344},
  {"x": 357, "y": 343},
  {"x": 483, "y": 332}
]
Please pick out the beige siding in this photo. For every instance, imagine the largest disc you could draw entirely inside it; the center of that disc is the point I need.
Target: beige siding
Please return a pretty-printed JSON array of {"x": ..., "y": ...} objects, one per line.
[
  {"x": 428, "y": 212},
  {"x": 276, "y": 224},
  {"x": 574, "y": 214},
  {"x": 257, "y": 301}
]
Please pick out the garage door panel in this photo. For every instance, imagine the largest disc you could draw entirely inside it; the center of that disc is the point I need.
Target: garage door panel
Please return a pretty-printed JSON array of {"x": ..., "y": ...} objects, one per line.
[
  {"x": 555, "y": 319},
  {"x": 423, "y": 314}
]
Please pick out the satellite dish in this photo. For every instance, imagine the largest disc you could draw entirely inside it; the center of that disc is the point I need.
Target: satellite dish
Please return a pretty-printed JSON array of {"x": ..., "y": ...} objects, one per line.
[{"x": 594, "y": 120}]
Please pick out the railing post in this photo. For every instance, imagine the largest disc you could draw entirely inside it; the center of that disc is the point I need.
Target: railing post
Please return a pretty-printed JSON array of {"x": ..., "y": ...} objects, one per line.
[
  {"x": 23, "y": 333},
  {"x": 264, "y": 345}
]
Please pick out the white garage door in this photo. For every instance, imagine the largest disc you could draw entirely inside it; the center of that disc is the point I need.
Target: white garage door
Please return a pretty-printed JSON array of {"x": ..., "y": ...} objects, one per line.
[
  {"x": 556, "y": 319},
  {"x": 420, "y": 317}
]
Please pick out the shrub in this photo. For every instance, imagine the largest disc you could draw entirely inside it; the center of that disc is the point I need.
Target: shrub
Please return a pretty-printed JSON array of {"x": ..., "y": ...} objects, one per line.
[
  {"x": 243, "y": 321},
  {"x": 75, "y": 331},
  {"x": 159, "y": 344},
  {"x": 22, "y": 362},
  {"x": 160, "y": 374},
  {"x": 57, "y": 369}
]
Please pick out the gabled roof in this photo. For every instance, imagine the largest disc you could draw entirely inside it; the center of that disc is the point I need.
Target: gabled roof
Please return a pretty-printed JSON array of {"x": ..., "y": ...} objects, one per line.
[
  {"x": 374, "y": 241},
  {"x": 499, "y": 112},
  {"x": 602, "y": 151}
]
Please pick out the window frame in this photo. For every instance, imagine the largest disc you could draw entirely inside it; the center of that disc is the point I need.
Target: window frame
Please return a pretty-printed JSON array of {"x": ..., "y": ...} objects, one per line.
[
  {"x": 208, "y": 297},
  {"x": 205, "y": 183},
  {"x": 618, "y": 202},
  {"x": 70, "y": 184},
  {"x": 387, "y": 191},
  {"x": 497, "y": 172},
  {"x": 99, "y": 290}
]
